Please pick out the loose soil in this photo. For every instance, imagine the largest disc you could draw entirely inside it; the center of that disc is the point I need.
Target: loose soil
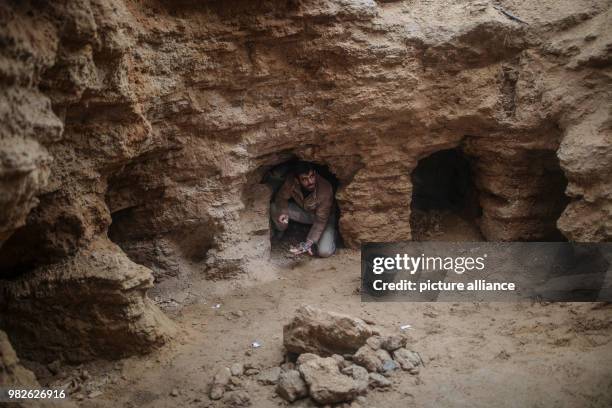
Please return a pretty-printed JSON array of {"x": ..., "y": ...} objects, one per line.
[{"x": 475, "y": 354}]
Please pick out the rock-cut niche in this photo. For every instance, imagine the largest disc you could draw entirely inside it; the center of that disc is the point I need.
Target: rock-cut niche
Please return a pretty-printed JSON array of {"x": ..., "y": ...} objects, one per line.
[
  {"x": 444, "y": 198},
  {"x": 518, "y": 199},
  {"x": 145, "y": 227}
]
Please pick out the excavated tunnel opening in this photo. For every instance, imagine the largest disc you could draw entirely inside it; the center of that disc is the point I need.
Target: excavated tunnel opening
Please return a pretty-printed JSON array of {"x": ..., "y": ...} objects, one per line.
[
  {"x": 296, "y": 231},
  {"x": 444, "y": 198},
  {"x": 515, "y": 196}
]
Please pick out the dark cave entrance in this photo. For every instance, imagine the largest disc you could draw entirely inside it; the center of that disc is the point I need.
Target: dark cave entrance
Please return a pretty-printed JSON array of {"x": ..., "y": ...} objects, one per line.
[
  {"x": 18, "y": 255},
  {"x": 47, "y": 237},
  {"x": 446, "y": 203},
  {"x": 444, "y": 198},
  {"x": 296, "y": 232}
]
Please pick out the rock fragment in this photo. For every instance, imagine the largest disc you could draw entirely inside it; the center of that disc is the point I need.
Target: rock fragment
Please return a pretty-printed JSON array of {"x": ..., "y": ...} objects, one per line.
[
  {"x": 327, "y": 385},
  {"x": 342, "y": 362},
  {"x": 237, "y": 399},
  {"x": 305, "y": 357},
  {"x": 393, "y": 342},
  {"x": 291, "y": 386},
  {"x": 367, "y": 357},
  {"x": 237, "y": 369},
  {"x": 372, "y": 360},
  {"x": 360, "y": 375},
  {"x": 408, "y": 360},
  {"x": 269, "y": 376},
  {"x": 378, "y": 381},
  {"x": 375, "y": 342},
  {"x": 383, "y": 355},
  {"x": 389, "y": 366},
  {"x": 220, "y": 381},
  {"x": 251, "y": 371}
]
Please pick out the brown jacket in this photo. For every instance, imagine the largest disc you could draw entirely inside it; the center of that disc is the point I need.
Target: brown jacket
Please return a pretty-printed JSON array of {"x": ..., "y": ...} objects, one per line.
[{"x": 320, "y": 202}]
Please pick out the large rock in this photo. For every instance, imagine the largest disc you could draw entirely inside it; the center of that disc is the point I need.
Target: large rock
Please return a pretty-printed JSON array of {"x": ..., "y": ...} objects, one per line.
[
  {"x": 327, "y": 385},
  {"x": 325, "y": 333}
]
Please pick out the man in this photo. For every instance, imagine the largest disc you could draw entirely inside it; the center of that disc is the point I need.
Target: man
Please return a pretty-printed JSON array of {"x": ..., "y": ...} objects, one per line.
[{"x": 312, "y": 203}]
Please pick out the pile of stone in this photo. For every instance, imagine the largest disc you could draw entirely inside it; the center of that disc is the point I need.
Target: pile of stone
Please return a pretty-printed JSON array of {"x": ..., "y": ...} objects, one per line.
[
  {"x": 340, "y": 357},
  {"x": 331, "y": 358}
]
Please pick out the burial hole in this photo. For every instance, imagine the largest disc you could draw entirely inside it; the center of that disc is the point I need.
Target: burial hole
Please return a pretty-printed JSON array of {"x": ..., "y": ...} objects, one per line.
[
  {"x": 444, "y": 199},
  {"x": 297, "y": 231}
]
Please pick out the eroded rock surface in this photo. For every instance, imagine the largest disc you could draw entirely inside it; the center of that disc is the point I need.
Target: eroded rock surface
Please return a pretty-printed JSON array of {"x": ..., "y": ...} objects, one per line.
[
  {"x": 71, "y": 305},
  {"x": 151, "y": 123}
]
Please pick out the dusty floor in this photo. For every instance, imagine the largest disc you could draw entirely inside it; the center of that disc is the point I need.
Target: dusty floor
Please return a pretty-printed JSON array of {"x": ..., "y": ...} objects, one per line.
[
  {"x": 476, "y": 355},
  {"x": 443, "y": 225}
]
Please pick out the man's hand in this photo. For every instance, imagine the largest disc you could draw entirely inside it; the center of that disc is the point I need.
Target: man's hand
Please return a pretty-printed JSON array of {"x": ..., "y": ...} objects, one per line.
[
  {"x": 303, "y": 247},
  {"x": 283, "y": 219}
]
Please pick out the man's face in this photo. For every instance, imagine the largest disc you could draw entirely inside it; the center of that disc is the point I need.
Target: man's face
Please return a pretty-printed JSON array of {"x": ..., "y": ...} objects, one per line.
[{"x": 308, "y": 181}]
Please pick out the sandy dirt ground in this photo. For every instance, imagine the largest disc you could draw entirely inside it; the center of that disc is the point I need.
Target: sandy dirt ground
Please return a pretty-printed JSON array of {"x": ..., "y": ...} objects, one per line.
[{"x": 475, "y": 355}]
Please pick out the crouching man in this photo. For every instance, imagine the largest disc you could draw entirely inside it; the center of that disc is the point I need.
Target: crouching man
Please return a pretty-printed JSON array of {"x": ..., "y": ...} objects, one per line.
[{"x": 312, "y": 202}]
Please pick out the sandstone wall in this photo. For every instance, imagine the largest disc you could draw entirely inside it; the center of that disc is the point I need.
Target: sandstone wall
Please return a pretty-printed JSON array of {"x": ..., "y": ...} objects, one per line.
[{"x": 161, "y": 117}]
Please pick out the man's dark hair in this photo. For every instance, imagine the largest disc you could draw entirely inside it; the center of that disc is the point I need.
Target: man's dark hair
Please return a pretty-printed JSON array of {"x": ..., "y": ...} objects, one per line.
[{"x": 303, "y": 167}]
